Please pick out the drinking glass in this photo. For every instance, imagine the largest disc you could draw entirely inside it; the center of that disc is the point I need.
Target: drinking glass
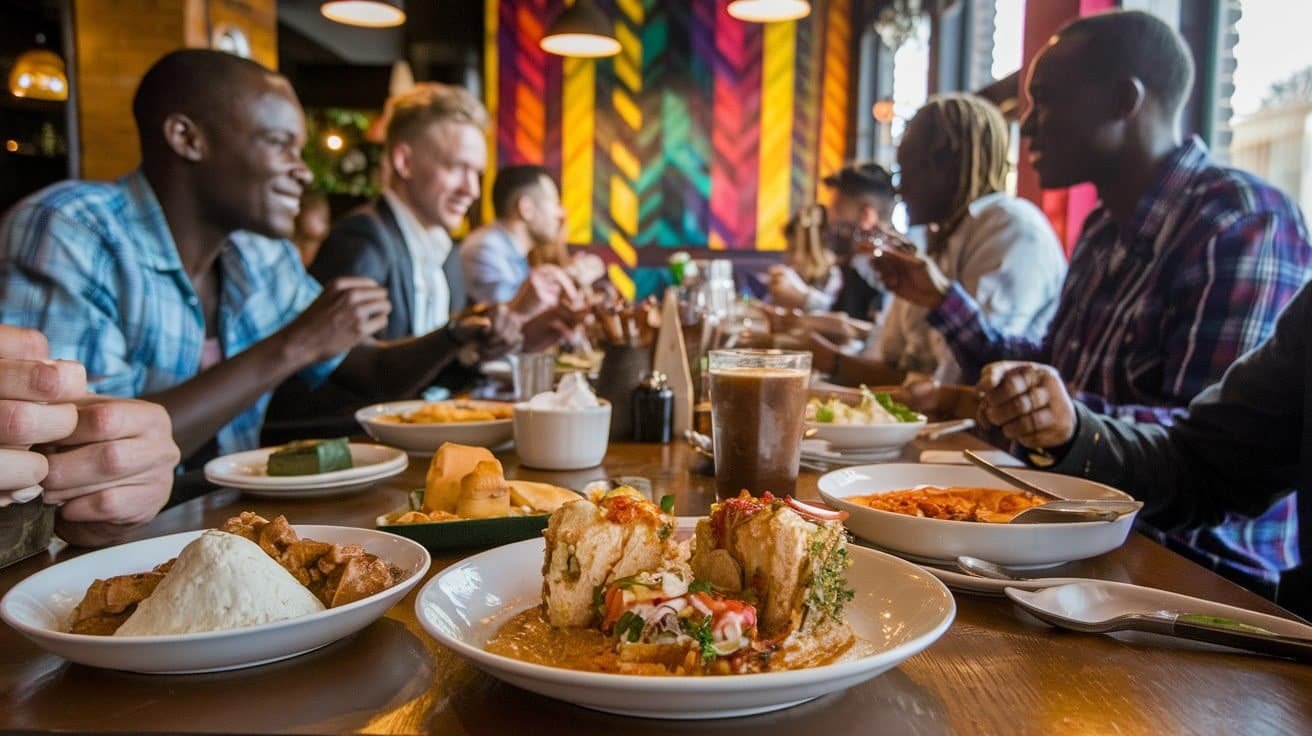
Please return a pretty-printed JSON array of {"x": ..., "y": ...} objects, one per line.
[{"x": 758, "y": 404}]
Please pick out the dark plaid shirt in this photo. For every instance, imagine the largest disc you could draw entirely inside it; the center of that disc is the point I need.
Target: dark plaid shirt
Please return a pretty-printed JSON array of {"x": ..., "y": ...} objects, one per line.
[{"x": 1153, "y": 313}]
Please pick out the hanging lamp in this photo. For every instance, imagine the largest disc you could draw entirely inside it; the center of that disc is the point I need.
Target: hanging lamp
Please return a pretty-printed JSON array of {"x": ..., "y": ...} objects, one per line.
[{"x": 582, "y": 31}]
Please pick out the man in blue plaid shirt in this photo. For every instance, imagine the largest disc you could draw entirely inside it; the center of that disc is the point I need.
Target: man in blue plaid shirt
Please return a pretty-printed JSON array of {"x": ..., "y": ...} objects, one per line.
[{"x": 176, "y": 283}]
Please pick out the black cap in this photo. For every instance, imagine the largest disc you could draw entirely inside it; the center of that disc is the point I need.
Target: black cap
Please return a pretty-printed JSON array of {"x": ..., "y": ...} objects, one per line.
[{"x": 864, "y": 178}]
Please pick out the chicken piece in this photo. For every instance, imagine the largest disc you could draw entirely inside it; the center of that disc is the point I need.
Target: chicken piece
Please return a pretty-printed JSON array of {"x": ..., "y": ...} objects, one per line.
[
  {"x": 246, "y": 524},
  {"x": 108, "y": 603},
  {"x": 357, "y": 578}
]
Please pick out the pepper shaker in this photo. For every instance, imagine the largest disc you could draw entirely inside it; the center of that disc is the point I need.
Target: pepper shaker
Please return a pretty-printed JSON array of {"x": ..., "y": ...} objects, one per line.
[{"x": 653, "y": 409}]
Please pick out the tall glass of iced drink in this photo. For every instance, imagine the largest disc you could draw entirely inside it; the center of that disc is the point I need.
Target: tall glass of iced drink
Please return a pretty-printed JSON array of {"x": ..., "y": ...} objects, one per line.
[{"x": 758, "y": 402}]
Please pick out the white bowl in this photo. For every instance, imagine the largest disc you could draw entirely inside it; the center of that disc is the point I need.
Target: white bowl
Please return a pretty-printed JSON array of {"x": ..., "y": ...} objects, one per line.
[
  {"x": 942, "y": 541},
  {"x": 561, "y": 439},
  {"x": 248, "y": 471},
  {"x": 426, "y": 438},
  {"x": 873, "y": 437},
  {"x": 39, "y": 607},
  {"x": 899, "y": 610}
]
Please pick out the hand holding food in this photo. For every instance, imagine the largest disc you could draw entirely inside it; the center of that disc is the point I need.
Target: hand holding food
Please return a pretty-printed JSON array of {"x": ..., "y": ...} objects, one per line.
[
  {"x": 347, "y": 312},
  {"x": 911, "y": 276},
  {"x": 1028, "y": 402},
  {"x": 34, "y": 408},
  {"x": 114, "y": 472}
]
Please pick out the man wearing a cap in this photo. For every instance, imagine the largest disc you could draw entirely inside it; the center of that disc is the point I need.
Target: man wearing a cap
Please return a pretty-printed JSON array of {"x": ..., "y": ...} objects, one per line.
[{"x": 863, "y": 201}]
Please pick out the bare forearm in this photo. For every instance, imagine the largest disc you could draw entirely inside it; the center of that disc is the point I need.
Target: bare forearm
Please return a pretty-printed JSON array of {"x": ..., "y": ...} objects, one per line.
[
  {"x": 386, "y": 370},
  {"x": 200, "y": 407}
]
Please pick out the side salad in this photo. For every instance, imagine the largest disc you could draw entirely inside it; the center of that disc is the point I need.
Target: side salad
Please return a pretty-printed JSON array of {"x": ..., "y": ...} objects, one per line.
[{"x": 876, "y": 407}]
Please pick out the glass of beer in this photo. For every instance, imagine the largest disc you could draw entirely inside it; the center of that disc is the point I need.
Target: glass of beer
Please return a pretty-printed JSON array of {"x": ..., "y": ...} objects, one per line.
[{"x": 758, "y": 403}]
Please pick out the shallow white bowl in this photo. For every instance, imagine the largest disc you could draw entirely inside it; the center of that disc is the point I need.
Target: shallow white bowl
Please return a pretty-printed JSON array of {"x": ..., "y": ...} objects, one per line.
[
  {"x": 248, "y": 471},
  {"x": 871, "y": 437},
  {"x": 561, "y": 439},
  {"x": 898, "y": 607},
  {"x": 941, "y": 541},
  {"x": 39, "y": 607},
  {"x": 426, "y": 438}
]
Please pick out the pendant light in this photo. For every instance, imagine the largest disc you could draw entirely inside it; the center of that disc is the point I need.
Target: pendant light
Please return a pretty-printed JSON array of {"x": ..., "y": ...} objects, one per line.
[
  {"x": 582, "y": 31},
  {"x": 39, "y": 75},
  {"x": 769, "y": 11},
  {"x": 365, "y": 13}
]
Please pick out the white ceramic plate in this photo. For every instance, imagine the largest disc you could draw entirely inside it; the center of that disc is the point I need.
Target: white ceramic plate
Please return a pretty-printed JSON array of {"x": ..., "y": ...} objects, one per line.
[
  {"x": 39, "y": 607},
  {"x": 426, "y": 438},
  {"x": 867, "y": 437},
  {"x": 247, "y": 471},
  {"x": 813, "y": 449},
  {"x": 899, "y": 608},
  {"x": 942, "y": 542}
]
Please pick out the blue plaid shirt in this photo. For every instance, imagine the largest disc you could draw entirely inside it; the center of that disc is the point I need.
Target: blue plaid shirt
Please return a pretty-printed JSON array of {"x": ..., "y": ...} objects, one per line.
[
  {"x": 94, "y": 267},
  {"x": 1152, "y": 314}
]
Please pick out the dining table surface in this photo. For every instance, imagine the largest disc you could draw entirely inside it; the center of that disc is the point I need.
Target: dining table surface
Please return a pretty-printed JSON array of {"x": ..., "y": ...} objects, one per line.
[{"x": 995, "y": 670}]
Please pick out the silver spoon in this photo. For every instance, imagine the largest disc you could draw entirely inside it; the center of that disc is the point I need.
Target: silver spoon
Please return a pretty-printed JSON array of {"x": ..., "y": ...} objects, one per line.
[
  {"x": 985, "y": 569},
  {"x": 1210, "y": 629},
  {"x": 1058, "y": 509}
]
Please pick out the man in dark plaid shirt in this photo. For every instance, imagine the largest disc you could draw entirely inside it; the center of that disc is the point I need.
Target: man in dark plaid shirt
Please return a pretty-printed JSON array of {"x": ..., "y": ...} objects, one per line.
[{"x": 1183, "y": 267}]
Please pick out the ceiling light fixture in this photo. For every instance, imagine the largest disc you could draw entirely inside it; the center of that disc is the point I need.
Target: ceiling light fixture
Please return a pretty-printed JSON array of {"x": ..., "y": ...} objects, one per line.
[
  {"x": 769, "y": 11},
  {"x": 365, "y": 13},
  {"x": 39, "y": 75},
  {"x": 582, "y": 31}
]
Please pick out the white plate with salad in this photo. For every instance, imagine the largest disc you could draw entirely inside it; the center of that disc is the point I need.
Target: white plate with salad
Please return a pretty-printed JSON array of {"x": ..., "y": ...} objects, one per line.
[{"x": 877, "y": 424}]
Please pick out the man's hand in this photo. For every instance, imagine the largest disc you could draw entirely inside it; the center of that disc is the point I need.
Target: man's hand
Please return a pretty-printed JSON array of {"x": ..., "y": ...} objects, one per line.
[
  {"x": 1028, "y": 402},
  {"x": 547, "y": 288},
  {"x": 113, "y": 472},
  {"x": 787, "y": 289},
  {"x": 547, "y": 307},
  {"x": 348, "y": 312},
  {"x": 491, "y": 331},
  {"x": 35, "y": 396},
  {"x": 911, "y": 276}
]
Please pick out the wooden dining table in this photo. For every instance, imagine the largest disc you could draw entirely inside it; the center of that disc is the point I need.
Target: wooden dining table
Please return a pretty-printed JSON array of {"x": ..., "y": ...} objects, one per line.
[{"x": 995, "y": 671}]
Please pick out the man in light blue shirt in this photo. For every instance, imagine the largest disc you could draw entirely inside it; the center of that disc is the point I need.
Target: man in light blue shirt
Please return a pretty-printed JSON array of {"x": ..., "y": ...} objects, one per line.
[
  {"x": 529, "y": 215},
  {"x": 176, "y": 283}
]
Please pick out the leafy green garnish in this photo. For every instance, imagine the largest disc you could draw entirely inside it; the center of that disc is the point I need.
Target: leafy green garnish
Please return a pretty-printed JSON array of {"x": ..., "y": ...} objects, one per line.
[
  {"x": 665, "y": 531},
  {"x": 700, "y": 586},
  {"x": 901, "y": 411},
  {"x": 629, "y": 627},
  {"x": 701, "y": 633},
  {"x": 824, "y": 413},
  {"x": 829, "y": 592},
  {"x": 599, "y": 601},
  {"x": 667, "y": 503}
]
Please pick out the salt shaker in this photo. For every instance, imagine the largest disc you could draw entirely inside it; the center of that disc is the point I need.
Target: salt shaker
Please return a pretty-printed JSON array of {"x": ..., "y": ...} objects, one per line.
[{"x": 653, "y": 409}]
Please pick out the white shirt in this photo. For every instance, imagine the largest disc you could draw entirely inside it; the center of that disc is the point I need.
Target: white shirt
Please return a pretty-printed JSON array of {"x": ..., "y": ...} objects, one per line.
[
  {"x": 1005, "y": 254},
  {"x": 428, "y": 248}
]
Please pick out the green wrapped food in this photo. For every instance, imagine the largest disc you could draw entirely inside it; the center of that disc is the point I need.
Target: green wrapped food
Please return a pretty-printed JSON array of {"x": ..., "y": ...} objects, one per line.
[{"x": 310, "y": 457}]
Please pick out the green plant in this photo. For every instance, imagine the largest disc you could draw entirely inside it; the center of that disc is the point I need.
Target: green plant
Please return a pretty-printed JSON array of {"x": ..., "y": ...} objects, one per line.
[{"x": 350, "y": 166}]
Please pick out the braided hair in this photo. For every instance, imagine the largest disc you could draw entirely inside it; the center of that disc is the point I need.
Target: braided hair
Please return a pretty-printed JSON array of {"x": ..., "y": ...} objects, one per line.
[{"x": 971, "y": 131}]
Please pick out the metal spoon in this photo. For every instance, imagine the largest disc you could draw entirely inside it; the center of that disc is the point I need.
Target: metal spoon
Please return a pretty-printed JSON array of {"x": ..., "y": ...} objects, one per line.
[
  {"x": 1210, "y": 629},
  {"x": 1014, "y": 480},
  {"x": 1058, "y": 509},
  {"x": 985, "y": 569}
]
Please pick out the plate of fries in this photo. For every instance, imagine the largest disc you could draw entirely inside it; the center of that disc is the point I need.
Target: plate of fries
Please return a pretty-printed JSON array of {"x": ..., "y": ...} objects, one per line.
[{"x": 420, "y": 427}]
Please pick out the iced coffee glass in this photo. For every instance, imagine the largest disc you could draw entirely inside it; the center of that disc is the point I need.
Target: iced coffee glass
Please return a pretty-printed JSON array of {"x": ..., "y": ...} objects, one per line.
[{"x": 758, "y": 402}]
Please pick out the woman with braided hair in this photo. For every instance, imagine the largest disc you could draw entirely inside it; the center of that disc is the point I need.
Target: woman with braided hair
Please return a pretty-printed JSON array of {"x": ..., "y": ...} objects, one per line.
[{"x": 953, "y": 161}]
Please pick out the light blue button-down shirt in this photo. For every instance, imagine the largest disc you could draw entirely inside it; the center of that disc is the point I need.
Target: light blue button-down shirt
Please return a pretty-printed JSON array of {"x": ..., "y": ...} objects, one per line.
[
  {"x": 494, "y": 268},
  {"x": 93, "y": 265}
]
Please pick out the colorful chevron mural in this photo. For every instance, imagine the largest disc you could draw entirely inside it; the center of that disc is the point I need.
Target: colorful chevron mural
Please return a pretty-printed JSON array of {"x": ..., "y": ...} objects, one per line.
[{"x": 704, "y": 131}]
